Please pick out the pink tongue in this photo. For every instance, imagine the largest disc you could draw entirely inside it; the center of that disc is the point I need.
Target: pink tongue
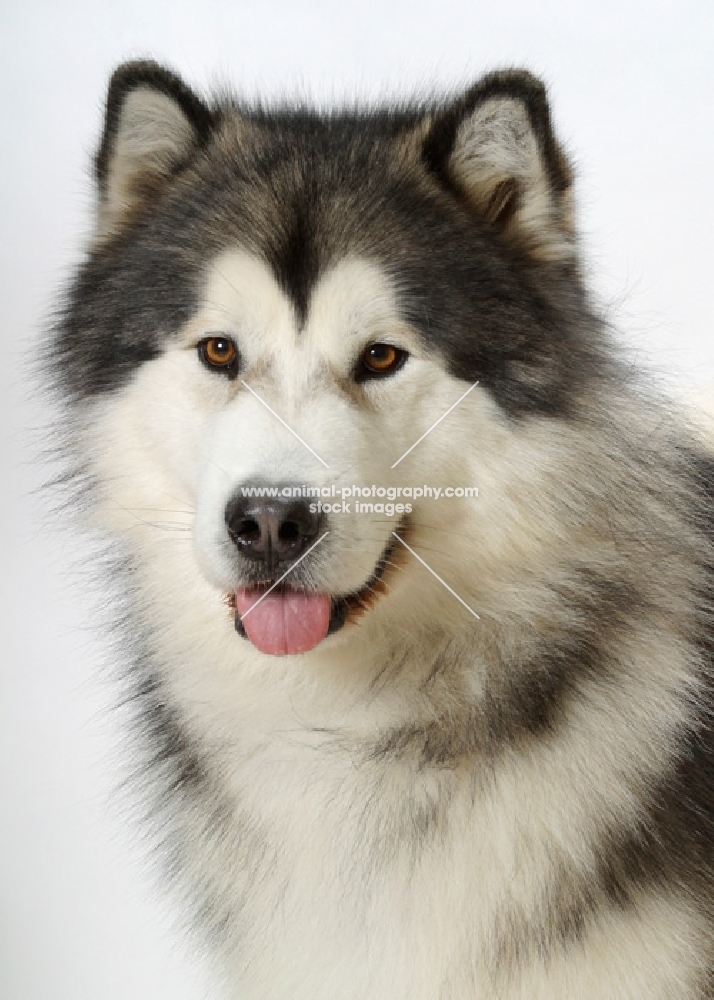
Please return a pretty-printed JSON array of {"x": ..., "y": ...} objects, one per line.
[{"x": 284, "y": 621}]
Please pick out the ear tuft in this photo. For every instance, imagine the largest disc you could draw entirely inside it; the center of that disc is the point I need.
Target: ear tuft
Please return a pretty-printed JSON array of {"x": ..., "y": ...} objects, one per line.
[
  {"x": 153, "y": 126},
  {"x": 495, "y": 147}
]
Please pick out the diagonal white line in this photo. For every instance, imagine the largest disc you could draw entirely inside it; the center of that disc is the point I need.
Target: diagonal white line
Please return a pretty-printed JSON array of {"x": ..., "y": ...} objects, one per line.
[
  {"x": 289, "y": 570},
  {"x": 278, "y": 417},
  {"x": 436, "y": 423},
  {"x": 426, "y": 565}
]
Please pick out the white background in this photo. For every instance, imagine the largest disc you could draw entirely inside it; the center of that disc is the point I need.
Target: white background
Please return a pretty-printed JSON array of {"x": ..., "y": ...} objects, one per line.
[{"x": 632, "y": 86}]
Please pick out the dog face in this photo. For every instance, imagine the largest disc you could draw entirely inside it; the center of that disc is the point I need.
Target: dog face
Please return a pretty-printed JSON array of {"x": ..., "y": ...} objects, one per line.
[{"x": 286, "y": 301}]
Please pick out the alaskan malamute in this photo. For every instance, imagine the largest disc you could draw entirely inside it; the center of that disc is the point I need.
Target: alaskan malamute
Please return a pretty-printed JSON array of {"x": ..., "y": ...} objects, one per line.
[{"x": 418, "y": 572}]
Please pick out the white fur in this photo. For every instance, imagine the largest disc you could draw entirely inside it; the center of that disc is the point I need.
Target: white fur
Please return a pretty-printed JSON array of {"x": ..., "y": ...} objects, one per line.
[
  {"x": 325, "y": 917},
  {"x": 153, "y": 136},
  {"x": 495, "y": 144}
]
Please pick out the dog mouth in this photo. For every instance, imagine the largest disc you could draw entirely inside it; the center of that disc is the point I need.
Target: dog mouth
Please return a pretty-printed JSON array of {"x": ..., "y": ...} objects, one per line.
[{"x": 285, "y": 621}]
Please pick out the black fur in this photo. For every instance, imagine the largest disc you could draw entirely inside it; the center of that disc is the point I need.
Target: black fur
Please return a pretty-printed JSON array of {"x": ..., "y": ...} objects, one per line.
[
  {"x": 154, "y": 77},
  {"x": 302, "y": 190},
  {"x": 522, "y": 327},
  {"x": 518, "y": 85},
  {"x": 540, "y": 682}
]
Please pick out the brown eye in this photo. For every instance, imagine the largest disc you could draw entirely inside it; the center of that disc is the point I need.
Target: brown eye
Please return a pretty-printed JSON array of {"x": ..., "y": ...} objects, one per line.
[
  {"x": 219, "y": 354},
  {"x": 380, "y": 359}
]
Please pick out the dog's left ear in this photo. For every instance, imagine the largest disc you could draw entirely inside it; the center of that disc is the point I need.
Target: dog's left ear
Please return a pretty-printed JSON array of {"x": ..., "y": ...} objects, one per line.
[
  {"x": 495, "y": 148},
  {"x": 154, "y": 125}
]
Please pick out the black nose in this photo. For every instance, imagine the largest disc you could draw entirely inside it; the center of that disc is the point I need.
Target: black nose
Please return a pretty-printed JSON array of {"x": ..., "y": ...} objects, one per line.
[{"x": 272, "y": 529}]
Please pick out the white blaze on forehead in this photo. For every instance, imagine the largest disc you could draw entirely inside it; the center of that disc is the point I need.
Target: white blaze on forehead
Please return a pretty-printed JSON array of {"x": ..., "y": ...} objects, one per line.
[
  {"x": 242, "y": 299},
  {"x": 297, "y": 408},
  {"x": 354, "y": 301},
  {"x": 352, "y": 304}
]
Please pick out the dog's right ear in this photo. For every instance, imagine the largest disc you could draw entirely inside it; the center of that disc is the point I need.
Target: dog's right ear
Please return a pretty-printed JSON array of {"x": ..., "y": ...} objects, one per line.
[{"x": 153, "y": 126}]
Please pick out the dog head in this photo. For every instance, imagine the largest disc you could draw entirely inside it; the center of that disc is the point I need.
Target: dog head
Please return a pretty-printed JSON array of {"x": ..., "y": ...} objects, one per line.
[{"x": 282, "y": 307}]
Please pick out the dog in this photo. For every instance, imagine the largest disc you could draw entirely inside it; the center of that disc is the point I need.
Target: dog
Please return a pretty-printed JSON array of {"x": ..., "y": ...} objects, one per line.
[{"x": 415, "y": 568}]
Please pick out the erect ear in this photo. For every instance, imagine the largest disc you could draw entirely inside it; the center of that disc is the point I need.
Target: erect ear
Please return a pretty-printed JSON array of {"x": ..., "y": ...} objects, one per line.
[
  {"x": 153, "y": 125},
  {"x": 495, "y": 146}
]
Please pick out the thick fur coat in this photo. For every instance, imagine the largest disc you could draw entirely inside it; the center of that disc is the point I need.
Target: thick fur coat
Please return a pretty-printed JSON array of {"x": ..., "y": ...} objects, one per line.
[{"x": 426, "y": 804}]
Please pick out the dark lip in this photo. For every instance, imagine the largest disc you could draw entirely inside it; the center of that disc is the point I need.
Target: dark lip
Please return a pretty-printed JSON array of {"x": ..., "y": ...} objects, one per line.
[{"x": 345, "y": 607}]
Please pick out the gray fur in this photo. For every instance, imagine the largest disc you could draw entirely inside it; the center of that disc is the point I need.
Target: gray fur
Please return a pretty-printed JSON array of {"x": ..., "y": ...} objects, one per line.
[{"x": 585, "y": 691}]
